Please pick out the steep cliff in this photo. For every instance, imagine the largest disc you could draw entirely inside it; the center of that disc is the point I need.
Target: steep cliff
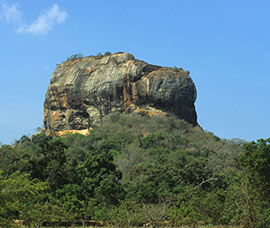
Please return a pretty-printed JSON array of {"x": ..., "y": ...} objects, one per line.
[{"x": 83, "y": 90}]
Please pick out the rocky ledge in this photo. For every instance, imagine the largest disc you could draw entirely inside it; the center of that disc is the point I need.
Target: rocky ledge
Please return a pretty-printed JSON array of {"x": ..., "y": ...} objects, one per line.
[{"x": 83, "y": 90}]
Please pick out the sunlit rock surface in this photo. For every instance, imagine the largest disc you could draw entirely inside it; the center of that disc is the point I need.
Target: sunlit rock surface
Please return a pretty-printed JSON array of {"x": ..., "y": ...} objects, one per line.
[{"x": 83, "y": 90}]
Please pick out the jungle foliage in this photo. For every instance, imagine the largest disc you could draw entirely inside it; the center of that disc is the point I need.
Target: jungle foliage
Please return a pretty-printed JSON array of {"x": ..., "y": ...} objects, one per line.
[{"x": 132, "y": 170}]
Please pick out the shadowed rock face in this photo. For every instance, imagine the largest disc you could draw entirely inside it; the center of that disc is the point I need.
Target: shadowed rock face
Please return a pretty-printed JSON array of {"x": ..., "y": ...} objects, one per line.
[{"x": 82, "y": 91}]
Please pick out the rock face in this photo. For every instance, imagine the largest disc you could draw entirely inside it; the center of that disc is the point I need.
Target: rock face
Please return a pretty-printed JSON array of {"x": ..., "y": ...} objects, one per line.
[{"x": 83, "y": 90}]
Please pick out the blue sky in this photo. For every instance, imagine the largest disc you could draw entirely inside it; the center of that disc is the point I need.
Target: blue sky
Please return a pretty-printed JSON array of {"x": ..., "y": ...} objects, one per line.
[{"x": 225, "y": 44}]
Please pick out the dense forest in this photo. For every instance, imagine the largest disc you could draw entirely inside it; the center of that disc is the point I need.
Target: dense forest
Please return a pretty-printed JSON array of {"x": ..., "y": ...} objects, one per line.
[{"x": 135, "y": 169}]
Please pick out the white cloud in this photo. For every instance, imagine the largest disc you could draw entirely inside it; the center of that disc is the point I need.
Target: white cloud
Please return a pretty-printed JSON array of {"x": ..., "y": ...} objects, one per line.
[
  {"x": 45, "y": 22},
  {"x": 11, "y": 13},
  {"x": 42, "y": 25}
]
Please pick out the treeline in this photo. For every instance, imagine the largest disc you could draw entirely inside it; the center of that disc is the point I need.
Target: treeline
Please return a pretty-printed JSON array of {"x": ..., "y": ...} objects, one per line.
[
  {"x": 79, "y": 55},
  {"x": 132, "y": 170}
]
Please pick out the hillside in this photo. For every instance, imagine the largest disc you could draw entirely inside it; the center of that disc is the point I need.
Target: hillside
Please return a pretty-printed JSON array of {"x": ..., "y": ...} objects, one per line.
[
  {"x": 122, "y": 169},
  {"x": 142, "y": 157}
]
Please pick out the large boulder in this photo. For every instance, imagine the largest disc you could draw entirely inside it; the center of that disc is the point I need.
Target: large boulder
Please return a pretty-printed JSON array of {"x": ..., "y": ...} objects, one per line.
[{"x": 83, "y": 90}]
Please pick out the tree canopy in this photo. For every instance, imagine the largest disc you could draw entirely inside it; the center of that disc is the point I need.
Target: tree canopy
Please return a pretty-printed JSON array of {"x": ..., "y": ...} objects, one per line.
[{"x": 132, "y": 170}]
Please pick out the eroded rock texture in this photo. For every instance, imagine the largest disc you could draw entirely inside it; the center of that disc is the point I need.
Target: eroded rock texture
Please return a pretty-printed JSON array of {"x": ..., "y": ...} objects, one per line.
[{"x": 82, "y": 91}]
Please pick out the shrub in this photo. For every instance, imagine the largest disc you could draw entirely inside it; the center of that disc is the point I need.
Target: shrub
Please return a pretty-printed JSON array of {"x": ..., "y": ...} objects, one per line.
[{"x": 107, "y": 53}]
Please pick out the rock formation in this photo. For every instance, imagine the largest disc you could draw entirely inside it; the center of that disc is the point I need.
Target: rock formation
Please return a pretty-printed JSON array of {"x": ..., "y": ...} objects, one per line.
[{"x": 83, "y": 90}]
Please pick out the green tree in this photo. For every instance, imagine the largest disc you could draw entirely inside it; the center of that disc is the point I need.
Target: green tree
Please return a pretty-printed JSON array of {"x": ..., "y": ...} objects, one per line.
[
  {"x": 75, "y": 56},
  {"x": 255, "y": 183},
  {"x": 17, "y": 196},
  {"x": 72, "y": 201},
  {"x": 99, "y": 178},
  {"x": 107, "y": 53},
  {"x": 50, "y": 164},
  {"x": 255, "y": 161}
]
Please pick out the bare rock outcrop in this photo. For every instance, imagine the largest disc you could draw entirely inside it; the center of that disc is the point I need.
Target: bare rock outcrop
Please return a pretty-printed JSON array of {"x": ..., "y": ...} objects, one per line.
[{"x": 83, "y": 90}]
